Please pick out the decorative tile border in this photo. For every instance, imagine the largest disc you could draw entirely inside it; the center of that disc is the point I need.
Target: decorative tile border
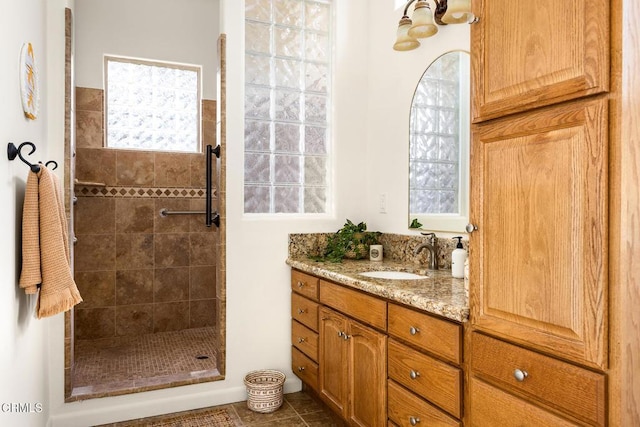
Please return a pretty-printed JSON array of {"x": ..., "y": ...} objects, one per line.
[{"x": 140, "y": 192}]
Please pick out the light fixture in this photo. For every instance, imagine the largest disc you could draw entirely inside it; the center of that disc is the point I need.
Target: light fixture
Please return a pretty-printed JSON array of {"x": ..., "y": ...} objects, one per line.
[
  {"x": 424, "y": 22},
  {"x": 458, "y": 12}
]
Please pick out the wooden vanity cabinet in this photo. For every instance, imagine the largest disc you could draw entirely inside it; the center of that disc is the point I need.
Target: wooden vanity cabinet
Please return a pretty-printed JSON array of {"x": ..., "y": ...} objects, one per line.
[
  {"x": 376, "y": 362},
  {"x": 353, "y": 358}
]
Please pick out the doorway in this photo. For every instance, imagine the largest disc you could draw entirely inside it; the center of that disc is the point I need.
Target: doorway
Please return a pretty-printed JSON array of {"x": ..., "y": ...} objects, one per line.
[{"x": 153, "y": 285}]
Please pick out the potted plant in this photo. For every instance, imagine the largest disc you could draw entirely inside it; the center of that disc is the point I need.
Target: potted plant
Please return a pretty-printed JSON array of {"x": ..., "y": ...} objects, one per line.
[{"x": 351, "y": 241}]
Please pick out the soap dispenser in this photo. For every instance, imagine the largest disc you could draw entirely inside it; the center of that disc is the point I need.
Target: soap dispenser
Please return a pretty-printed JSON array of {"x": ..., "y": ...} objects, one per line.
[{"x": 458, "y": 256}]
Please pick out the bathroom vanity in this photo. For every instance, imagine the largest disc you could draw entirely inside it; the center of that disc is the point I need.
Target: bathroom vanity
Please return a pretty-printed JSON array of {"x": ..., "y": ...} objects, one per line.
[{"x": 379, "y": 351}]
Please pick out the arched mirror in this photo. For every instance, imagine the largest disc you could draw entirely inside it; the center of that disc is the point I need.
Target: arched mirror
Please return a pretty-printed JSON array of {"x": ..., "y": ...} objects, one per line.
[{"x": 439, "y": 146}]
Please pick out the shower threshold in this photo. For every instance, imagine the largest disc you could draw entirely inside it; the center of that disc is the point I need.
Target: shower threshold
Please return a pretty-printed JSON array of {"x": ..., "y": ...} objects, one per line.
[{"x": 132, "y": 364}]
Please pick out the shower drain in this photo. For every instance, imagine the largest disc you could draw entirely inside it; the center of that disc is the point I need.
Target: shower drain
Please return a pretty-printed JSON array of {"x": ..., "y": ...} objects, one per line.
[{"x": 202, "y": 357}]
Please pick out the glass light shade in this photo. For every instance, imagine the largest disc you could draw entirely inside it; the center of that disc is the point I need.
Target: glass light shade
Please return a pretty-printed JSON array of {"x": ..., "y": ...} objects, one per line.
[
  {"x": 458, "y": 12},
  {"x": 422, "y": 18},
  {"x": 404, "y": 41}
]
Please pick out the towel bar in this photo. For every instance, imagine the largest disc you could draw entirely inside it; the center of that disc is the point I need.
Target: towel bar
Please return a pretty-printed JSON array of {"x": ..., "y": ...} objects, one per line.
[{"x": 215, "y": 217}]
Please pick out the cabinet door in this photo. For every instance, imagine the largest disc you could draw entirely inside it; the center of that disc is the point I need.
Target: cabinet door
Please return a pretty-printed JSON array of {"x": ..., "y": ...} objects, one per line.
[
  {"x": 367, "y": 376},
  {"x": 333, "y": 360},
  {"x": 538, "y": 260},
  {"x": 528, "y": 54}
]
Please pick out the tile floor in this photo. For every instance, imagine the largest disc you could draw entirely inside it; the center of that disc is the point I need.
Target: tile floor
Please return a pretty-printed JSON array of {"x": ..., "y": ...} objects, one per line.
[
  {"x": 112, "y": 366},
  {"x": 298, "y": 410}
]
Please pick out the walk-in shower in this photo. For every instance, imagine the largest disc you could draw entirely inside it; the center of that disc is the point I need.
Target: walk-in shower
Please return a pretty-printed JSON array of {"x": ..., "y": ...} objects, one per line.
[{"x": 152, "y": 283}]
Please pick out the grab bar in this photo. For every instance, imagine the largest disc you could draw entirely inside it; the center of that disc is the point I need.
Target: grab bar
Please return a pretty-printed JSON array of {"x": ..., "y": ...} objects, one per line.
[
  {"x": 167, "y": 212},
  {"x": 211, "y": 217},
  {"x": 164, "y": 212}
]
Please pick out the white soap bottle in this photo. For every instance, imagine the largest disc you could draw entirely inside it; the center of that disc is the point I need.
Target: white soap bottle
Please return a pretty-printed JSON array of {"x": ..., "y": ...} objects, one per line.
[{"x": 458, "y": 256}]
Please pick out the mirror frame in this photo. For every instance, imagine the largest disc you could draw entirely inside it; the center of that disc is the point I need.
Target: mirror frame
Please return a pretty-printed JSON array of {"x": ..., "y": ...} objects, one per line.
[{"x": 454, "y": 222}]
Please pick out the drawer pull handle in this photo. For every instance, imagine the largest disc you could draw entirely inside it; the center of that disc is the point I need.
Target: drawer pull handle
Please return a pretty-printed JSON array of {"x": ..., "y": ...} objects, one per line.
[
  {"x": 301, "y": 340},
  {"x": 300, "y": 368},
  {"x": 414, "y": 374},
  {"x": 413, "y": 330},
  {"x": 413, "y": 420},
  {"x": 302, "y": 311},
  {"x": 300, "y": 284},
  {"x": 520, "y": 375}
]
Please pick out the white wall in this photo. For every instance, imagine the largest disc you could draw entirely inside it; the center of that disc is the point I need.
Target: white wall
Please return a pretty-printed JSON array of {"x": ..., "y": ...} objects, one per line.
[
  {"x": 373, "y": 90},
  {"x": 24, "y": 355},
  {"x": 183, "y": 31}
]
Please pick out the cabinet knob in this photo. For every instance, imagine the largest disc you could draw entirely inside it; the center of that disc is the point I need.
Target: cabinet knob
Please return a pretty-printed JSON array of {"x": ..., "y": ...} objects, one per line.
[
  {"x": 301, "y": 311},
  {"x": 300, "y": 284},
  {"x": 340, "y": 333},
  {"x": 346, "y": 337},
  {"x": 414, "y": 374},
  {"x": 471, "y": 228},
  {"x": 520, "y": 375},
  {"x": 301, "y": 340},
  {"x": 413, "y": 330},
  {"x": 300, "y": 368},
  {"x": 413, "y": 420}
]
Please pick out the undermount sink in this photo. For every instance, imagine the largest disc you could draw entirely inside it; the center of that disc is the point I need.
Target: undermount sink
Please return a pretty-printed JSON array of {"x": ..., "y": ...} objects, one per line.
[{"x": 397, "y": 275}]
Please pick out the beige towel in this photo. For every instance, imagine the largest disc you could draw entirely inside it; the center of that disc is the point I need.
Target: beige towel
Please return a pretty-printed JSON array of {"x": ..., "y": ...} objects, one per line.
[{"x": 45, "y": 246}]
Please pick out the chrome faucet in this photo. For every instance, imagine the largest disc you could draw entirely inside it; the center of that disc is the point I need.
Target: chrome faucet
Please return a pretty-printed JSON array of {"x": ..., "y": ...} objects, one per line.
[{"x": 432, "y": 247}]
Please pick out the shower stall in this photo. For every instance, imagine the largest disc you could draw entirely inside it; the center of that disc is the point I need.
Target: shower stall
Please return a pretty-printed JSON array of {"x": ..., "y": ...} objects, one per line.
[{"x": 152, "y": 282}]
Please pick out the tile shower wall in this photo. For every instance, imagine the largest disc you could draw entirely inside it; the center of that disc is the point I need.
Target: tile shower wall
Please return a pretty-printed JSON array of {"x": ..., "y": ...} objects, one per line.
[{"x": 139, "y": 272}]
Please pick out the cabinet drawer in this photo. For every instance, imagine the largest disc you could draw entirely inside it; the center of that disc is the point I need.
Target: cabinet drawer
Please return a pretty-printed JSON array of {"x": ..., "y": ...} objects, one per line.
[
  {"x": 404, "y": 406},
  {"x": 305, "y": 284},
  {"x": 560, "y": 385},
  {"x": 305, "y": 368},
  {"x": 431, "y": 379},
  {"x": 356, "y": 304},
  {"x": 485, "y": 399},
  {"x": 437, "y": 336},
  {"x": 304, "y": 311},
  {"x": 305, "y": 340}
]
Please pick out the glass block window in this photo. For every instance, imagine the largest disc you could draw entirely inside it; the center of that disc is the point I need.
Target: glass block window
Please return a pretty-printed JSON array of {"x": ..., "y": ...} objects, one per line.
[
  {"x": 152, "y": 105},
  {"x": 437, "y": 137},
  {"x": 287, "y": 102}
]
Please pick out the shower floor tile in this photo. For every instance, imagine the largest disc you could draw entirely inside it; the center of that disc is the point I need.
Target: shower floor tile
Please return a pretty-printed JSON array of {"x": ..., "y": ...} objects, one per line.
[{"x": 128, "y": 364}]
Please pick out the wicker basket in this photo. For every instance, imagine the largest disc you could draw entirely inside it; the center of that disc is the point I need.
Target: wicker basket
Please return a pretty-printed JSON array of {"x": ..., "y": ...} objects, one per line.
[{"x": 264, "y": 390}]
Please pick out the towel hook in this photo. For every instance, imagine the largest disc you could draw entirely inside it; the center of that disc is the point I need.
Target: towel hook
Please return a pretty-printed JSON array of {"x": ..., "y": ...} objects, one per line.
[
  {"x": 55, "y": 164},
  {"x": 13, "y": 151}
]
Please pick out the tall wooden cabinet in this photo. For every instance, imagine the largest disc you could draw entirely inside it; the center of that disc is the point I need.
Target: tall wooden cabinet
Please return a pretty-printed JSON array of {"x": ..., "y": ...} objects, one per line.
[{"x": 547, "y": 313}]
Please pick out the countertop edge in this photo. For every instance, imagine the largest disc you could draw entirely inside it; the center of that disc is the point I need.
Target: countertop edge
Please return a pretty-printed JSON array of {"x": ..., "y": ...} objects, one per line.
[{"x": 388, "y": 289}]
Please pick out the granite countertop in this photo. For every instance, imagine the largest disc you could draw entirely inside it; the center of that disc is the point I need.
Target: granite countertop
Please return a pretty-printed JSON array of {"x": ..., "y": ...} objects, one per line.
[{"x": 438, "y": 294}]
